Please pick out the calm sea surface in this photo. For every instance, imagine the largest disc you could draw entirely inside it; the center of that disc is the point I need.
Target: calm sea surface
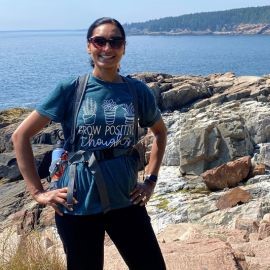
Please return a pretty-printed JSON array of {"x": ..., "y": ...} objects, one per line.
[{"x": 32, "y": 63}]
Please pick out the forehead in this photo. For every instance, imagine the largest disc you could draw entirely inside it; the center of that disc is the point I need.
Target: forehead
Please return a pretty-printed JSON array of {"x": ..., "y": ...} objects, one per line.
[{"x": 107, "y": 30}]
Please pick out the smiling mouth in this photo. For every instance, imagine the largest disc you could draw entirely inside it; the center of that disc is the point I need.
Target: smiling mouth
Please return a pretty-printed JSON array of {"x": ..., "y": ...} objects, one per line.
[{"x": 106, "y": 57}]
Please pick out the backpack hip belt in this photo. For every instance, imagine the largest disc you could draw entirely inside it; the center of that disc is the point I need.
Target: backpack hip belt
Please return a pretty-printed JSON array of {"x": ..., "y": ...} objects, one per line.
[{"x": 92, "y": 158}]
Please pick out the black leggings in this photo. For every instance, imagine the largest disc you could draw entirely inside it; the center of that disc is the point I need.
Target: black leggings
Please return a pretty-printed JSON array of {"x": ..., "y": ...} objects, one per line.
[{"x": 130, "y": 230}]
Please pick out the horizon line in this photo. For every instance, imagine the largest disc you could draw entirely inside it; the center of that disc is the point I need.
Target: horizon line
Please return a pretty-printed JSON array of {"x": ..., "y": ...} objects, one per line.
[{"x": 42, "y": 30}]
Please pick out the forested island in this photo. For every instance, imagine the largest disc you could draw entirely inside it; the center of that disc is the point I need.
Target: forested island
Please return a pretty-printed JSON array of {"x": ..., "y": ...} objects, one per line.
[{"x": 252, "y": 20}]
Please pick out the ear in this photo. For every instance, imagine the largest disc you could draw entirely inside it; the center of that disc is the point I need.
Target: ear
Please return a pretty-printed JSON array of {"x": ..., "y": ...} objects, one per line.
[{"x": 88, "y": 48}]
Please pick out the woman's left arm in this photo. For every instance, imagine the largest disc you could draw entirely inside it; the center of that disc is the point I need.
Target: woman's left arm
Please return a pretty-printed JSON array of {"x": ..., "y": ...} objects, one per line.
[
  {"x": 158, "y": 147},
  {"x": 143, "y": 191}
]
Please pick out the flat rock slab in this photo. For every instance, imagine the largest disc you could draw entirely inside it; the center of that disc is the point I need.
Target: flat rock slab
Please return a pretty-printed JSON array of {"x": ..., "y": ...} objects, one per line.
[
  {"x": 232, "y": 198},
  {"x": 197, "y": 252}
]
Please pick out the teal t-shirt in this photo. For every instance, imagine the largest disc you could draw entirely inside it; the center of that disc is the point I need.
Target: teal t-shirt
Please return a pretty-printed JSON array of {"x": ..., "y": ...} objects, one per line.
[{"x": 105, "y": 120}]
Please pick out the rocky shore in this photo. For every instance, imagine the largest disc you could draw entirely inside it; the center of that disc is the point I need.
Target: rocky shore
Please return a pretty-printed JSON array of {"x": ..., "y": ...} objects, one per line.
[
  {"x": 211, "y": 202},
  {"x": 240, "y": 29}
]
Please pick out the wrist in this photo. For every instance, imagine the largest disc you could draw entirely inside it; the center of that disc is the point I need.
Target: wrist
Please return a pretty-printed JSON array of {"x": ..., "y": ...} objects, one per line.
[
  {"x": 151, "y": 178},
  {"x": 37, "y": 195}
]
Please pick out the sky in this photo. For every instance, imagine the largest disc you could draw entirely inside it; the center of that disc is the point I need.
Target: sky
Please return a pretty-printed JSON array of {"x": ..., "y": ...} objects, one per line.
[{"x": 79, "y": 14}]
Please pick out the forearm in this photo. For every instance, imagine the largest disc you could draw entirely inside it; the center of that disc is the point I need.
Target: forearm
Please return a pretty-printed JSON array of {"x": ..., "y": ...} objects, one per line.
[
  {"x": 143, "y": 191},
  {"x": 24, "y": 153},
  {"x": 156, "y": 155},
  {"x": 26, "y": 164},
  {"x": 158, "y": 148}
]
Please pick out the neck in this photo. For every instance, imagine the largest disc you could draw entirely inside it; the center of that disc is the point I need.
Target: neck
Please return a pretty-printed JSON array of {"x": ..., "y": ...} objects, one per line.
[{"x": 107, "y": 76}]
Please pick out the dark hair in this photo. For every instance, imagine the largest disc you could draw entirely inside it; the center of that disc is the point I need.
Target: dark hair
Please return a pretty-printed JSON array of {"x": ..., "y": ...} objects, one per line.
[{"x": 105, "y": 20}]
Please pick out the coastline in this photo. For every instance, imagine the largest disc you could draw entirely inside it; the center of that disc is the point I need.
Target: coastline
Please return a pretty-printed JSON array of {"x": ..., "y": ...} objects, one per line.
[
  {"x": 150, "y": 78},
  {"x": 235, "y": 30},
  {"x": 211, "y": 120}
]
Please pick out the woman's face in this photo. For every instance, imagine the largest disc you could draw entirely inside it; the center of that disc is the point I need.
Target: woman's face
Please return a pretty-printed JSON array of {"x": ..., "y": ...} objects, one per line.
[{"x": 105, "y": 55}]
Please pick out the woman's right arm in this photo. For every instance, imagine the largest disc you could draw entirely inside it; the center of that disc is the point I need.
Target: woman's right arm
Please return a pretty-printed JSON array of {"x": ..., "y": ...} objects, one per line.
[{"x": 21, "y": 139}]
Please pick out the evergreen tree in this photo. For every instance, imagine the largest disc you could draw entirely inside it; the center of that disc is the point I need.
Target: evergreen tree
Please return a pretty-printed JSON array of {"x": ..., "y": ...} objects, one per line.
[{"x": 205, "y": 21}]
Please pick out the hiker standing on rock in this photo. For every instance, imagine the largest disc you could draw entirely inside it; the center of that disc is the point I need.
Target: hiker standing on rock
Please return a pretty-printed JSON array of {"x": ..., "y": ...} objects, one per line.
[{"x": 98, "y": 191}]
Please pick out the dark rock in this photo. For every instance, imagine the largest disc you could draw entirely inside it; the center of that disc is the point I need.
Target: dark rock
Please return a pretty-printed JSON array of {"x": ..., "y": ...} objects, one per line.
[
  {"x": 12, "y": 198},
  {"x": 9, "y": 168}
]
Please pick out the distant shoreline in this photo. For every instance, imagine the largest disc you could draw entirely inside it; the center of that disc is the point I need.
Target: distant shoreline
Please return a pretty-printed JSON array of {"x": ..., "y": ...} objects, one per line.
[
  {"x": 194, "y": 33},
  {"x": 44, "y": 30},
  {"x": 236, "y": 30}
]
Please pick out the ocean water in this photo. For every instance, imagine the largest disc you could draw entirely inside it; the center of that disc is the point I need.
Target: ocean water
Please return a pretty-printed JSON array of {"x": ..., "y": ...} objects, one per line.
[{"x": 32, "y": 63}]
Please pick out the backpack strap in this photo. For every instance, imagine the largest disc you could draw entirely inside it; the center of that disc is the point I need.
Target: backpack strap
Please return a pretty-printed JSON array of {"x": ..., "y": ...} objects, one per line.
[
  {"x": 93, "y": 158},
  {"x": 130, "y": 83},
  {"x": 78, "y": 97},
  {"x": 73, "y": 161}
]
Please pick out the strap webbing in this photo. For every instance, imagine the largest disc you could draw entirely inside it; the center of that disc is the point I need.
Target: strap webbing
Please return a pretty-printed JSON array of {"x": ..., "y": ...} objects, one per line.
[
  {"x": 134, "y": 94},
  {"x": 71, "y": 183},
  {"x": 73, "y": 161},
  {"x": 101, "y": 185},
  {"x": 93, "y": 164},
  {"x": 79, "y": 93}
]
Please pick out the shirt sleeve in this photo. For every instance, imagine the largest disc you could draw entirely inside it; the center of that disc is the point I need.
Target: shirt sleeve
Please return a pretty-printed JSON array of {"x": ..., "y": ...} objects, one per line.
[
  {"x": 148, "y": 110},
  {"x": 57, "y": 105}
]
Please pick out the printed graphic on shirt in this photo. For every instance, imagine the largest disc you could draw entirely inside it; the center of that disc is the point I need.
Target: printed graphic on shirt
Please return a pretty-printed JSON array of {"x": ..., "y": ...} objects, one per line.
[
  {"x": 106, "y": 132},
  {"x": 129, "y": 115},
  {"x": 89, "y": 111},
  {"x": 109, "y": 107}
]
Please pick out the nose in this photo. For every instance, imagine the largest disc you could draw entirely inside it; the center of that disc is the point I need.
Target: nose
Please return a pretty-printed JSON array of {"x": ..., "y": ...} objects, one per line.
[{"x": 107, "y": 46}]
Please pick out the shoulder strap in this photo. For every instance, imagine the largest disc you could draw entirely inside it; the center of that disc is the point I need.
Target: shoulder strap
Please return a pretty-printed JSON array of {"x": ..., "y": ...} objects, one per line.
[
  {"x": 133, "y": 91},
  {"x": 78, "y": 97}
]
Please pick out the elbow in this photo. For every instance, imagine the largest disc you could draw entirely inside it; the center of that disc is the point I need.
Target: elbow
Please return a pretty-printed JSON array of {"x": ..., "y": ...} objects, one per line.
[
  {"x": 161, "y": 134},
  {"x": 14, "y": 138},
  {"x": 160, "y": 130},
  {"x": 164, "y": 135},
  {"x": 18, "y": 138},
  {"x": 165, "y": 131}
]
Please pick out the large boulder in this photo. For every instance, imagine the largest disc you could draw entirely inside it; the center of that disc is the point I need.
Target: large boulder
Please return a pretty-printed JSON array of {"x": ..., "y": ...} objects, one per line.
[
  {"x": 185, "y": 247},
  {"x": 227, "y": 175},
  {"x": 198, "y": 147},
  {"x": 9, "y": 168},
  {"x": 233, "y": 197},
  {"x": 184, "y": 93},
  {"x": 204, "y": 138}
]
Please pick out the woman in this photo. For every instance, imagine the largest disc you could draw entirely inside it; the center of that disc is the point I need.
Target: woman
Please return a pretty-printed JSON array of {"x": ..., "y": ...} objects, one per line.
[{"x": 105, "y": 121}]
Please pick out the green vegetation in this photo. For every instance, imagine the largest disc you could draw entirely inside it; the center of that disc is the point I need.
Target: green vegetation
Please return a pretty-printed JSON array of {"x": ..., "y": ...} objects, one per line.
[
  {"x": 11, "y": 115},
  {"x": 163, "y": 204},
  {"x": 205, "y": 21}
]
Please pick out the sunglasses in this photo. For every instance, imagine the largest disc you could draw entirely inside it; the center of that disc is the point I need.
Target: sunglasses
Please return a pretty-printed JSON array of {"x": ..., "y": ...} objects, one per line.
[{"x": 100, "y": 42}]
